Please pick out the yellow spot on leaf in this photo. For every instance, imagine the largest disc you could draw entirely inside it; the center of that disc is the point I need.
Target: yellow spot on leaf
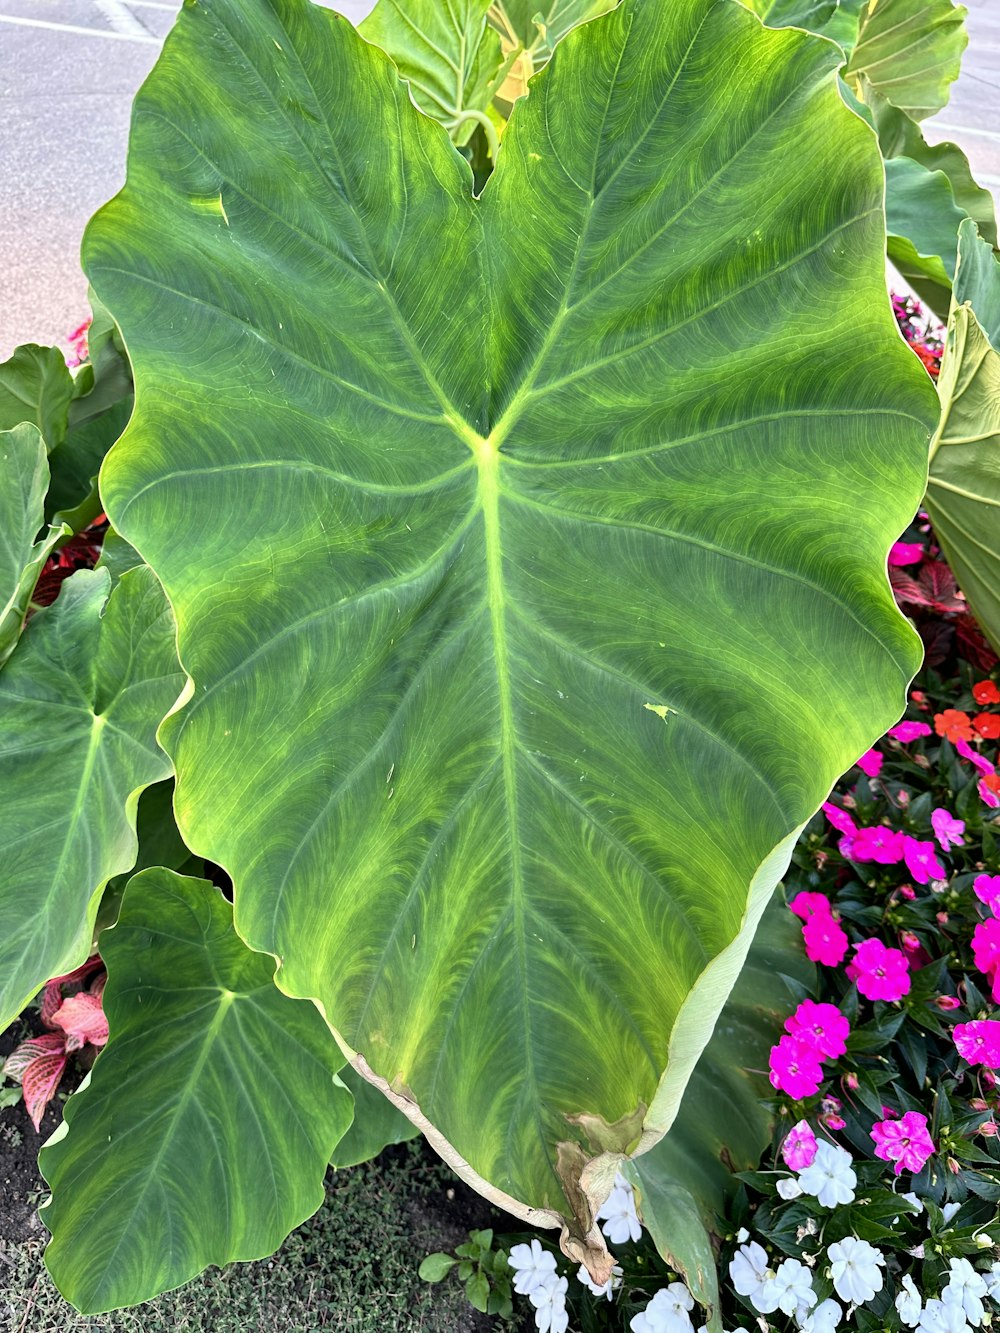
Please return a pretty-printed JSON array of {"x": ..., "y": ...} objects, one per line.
[{"x": 661, "y": 710}]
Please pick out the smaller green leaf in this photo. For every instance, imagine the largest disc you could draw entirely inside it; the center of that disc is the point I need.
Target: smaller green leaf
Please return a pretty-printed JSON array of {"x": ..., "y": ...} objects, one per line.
[
  {"x": 160, "y": 844},
  {"x": 436, "y": 1266},
  {"x": 478, "y": 1291},
  {"x": 910, "y": 51},
  {"x": 922, "y": 221},
  {"x": 963, "y": 490},
  {"x": 448, "y": 54},
  {"x": 23, "y": 482},
  {"x": 204, "y": 1130},
  {"x": 117, "y": 556},
  {"x": 36, "y": 386},
  {"x": 80, "y": 700},
  {"x": 484, "y": 1239}
]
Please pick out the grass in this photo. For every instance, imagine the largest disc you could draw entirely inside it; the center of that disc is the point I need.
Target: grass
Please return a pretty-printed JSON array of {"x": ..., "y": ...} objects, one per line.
[{"x": 352, "y": 1267}]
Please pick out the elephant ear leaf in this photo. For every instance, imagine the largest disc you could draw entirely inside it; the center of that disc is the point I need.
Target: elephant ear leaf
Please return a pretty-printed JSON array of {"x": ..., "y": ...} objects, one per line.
[
  {"x": 551, "y": 595},
  {"x": 963, "y": 489},
  {"x": 448, "y": 53},
  {"x": 910, "y": 51},
  {"x": 23, "y": 482},
  {"x": 80, "y": 700},
  {"x": 214, "y": 1098}
]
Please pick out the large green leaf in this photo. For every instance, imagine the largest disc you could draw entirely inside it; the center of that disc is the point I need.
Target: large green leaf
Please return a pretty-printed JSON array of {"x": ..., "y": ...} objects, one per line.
[
  {"x": 449, "y": 54},
  {"x": 376, "y": 1123},
  {"x": 36, "y": 386},
  {"x": 686, "y": 1180},
  {"x": 910, "y": 51},
  {"x": 528, "y": 551},
  {"x": 23, "y": 483},
  {"x": 80, "y": 700},
  {"x": 963, "y": 491},
  {"x": 203, "y": 1133}
]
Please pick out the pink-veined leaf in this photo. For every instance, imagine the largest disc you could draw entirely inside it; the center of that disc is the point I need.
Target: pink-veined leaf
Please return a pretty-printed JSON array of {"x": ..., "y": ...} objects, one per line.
[
  {"x": 82, "y": 1019},
  {"x": 22, "y": 1056}
]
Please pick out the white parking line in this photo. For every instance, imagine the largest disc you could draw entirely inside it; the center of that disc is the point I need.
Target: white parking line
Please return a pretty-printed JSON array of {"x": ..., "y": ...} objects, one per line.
[
  {"x": 72, "y": 27},
  {"x": 121, "y": 18}
]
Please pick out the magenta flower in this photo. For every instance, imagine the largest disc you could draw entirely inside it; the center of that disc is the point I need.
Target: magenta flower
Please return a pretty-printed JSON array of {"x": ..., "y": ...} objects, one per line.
[
  {"x": 825, "y": 939},
  {"x": 976, "y": 760},
  {"x": 905, "y": 553},
  {"x": 799, "y": 1147},
  {"x": 922, "y": 860},
  {"x": 947, "y": 830},
  {"x": 840, "y": 819},
  {"x": 806, "y": 904},
  {"x": 988, "y": 795},
  {"x": 870, "y": 763},
  {"x": 909, "y": 731},
  {"x": 987, "y": 890},
  {"x": 905, "y": 1141},
  {"x": 881, "y": 973},
  {"x": 820, "y": 1026},
  {"x": 986, "y": 945},
  {"x": 979, "y": 1043},
  {"x": 795, "y": 1070},
  {"x": 878, "y": 843}
]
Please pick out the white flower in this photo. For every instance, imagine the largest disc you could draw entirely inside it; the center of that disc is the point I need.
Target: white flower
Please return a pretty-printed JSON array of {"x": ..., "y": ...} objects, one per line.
[
  {"x": 949, "y": 1211},
  {"x": 534, "y": 1267},
  {"x": 943, "y": 1317},
  {"x": 667, "y": 1312},
  {"x": 912, "y": 1198},
  {"x": 829, "y": 1177},
  {"x": 793, "y": 1287},
  {"x": 742, "y": 1236},
  {"x": 992, "y": 1279},
  {"x": 824, "y": 1319},
  {"x": 619, "y": 1215},
  {"x": 751, "y": 1276},
  {"x": 549, "y": 1301},
  {"x": 908, "y": 1303},
  {"x": 855, "y": 1269},
  {"x": 612, "y": 1284},
  {"x": 789, "y": 1188},
  {"x": 966, "y": 1288}
]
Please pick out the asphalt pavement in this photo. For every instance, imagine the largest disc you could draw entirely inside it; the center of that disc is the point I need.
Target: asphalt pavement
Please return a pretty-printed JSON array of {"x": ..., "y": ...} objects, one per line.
[{"x": 70, "y": 68}]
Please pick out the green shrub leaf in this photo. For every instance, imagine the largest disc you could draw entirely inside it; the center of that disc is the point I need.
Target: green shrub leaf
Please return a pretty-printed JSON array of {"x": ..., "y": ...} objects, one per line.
[
  {"x": 36, "y": 386},
  {"x": 204, "y": 1130},
  {"x": 528, "y": 551}
]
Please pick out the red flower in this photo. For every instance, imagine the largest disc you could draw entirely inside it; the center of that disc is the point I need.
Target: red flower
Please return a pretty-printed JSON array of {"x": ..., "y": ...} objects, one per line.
[
  {"x": 986, "y": 692},
  {"x": 953, "y": 725},
  {"x": 988, "y": 725}
]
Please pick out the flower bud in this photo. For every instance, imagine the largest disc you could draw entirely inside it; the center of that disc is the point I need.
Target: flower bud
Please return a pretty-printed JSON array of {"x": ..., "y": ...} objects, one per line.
[
  {"x": 978, "y": 1104},
  {"x": 942, "y": 918},
  {"x": 988, "y": 1129},
  {"x": 851, "y": 1082},
  {"x": 947, "y": 1002},
  {"x": 954, "y": 1166},
  {"x": 909, "y": 941},
  {"x": 907, "y": 891}
]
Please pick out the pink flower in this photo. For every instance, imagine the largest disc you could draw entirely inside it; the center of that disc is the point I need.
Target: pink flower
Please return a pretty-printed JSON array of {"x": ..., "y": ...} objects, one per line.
[
  {"x": 947, "y": 830},
  {"x": 820, "y": 1026},
  {"x": 922, "y": 860},
  {"x": 806, "y": 904},
  {"x": 834, "y": 1122},
  {"x": 986, "y": 945},
  {"x": 987, "y": 795},
  {"x": 799, "y": 1147},
  {"x": 825, "y": 939},
  {"x": 905, "y": 1141},
  {"x": 870, "y": 763},
  {"x": 909, "y": 731},
  {"x": 987, "y": 890},
  {"x": 905, "y": 553},
  {"x": 878, "y": 843},
  {"x": 882, "y": 973},
  {"x": 795, "y": 1069},
  {"x": 840, "y": 819},
  {"x": 976, "y": 760},
  {"x": 979, "y": 1043},
  {"x": 907, "y": 891}
]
